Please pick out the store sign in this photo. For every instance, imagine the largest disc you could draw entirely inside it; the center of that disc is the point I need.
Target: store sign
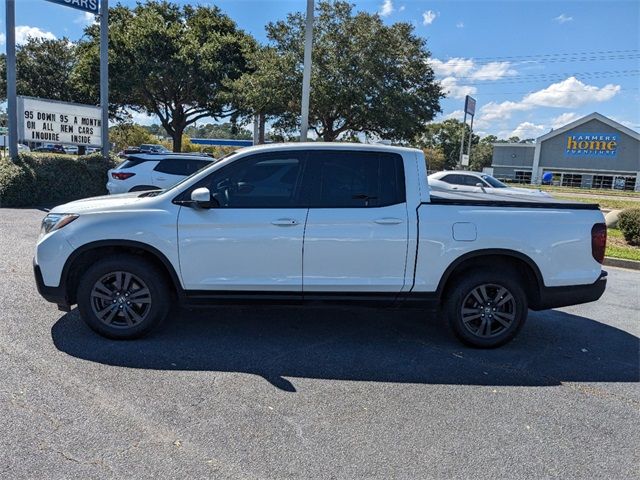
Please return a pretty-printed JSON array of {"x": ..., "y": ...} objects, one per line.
[
  {"x": 48, "y": 121},
  {"x": 470, "y": 105},
  {"x": 592, "y": 145},
  {"x": 90, "y": 6}
]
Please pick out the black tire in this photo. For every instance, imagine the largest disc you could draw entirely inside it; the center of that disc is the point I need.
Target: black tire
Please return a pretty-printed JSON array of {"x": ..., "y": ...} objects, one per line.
[
  {"x": 489, "y": 319},
  {"x": 113, "y": 284}
]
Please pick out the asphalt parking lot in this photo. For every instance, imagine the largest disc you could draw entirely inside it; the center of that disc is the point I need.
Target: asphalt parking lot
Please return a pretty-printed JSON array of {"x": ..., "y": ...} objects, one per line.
[{"x": 313, "y": 393}]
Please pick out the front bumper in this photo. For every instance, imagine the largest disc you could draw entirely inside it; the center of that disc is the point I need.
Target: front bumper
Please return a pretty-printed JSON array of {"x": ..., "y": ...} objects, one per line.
[
  {"x": 57, "y": 295},
  {"x": 555, "y": 297}
]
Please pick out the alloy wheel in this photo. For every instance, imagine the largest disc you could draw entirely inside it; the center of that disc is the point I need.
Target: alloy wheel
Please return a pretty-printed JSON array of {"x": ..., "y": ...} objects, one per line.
[
  {"x": 120, "y": 299},
  {"x": 488, "y": 310}
]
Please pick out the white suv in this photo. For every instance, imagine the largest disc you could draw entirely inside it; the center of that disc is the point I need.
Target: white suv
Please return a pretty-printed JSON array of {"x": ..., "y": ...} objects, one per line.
[{"x": 153, "y": 171}]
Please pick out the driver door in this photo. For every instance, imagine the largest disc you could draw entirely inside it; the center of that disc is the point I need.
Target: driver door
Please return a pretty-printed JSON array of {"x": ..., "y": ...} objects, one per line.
[{"x": 253, "y": 240}]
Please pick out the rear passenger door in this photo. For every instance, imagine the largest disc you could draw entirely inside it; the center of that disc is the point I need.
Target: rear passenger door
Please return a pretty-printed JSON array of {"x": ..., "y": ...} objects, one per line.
[{"x": 356, "y": 233}]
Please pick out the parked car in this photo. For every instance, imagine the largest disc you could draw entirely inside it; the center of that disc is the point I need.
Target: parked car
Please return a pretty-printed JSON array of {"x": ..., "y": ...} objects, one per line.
[
  {"x": 71, "y": 149},
  {"x": 50, "y": 149},
  {"x": 153, "y": 171},
  {"x": 128, "y": 151},
  {"x": 22, "y": 148},
  {"x": 317, "y": 222},
  {"x": 466, "y": 181},
  {"x": 153, "y": 148}
]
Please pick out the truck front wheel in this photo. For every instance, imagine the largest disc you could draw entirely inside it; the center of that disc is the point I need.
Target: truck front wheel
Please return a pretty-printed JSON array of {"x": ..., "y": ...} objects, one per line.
[
  {"x": 486, "y": 309},
  {"x": 123, "y": 297}
]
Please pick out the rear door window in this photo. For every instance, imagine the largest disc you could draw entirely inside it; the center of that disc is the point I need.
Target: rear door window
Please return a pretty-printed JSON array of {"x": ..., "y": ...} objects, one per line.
[
  {"x": 180, "y": 166},
  {"x": 352, "y": 179},
  {"x": 173, "y": 166},
  {"x": 453, "y": 179}
]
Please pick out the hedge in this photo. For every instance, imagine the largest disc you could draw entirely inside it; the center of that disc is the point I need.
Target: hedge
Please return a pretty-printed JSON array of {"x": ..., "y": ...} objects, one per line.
[
  {"x": 629, "y": 225},
  {"x": 51, "y": 179}
]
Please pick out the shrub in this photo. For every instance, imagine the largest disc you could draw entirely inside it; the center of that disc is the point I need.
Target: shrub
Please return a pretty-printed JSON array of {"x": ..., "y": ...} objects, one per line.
[
  {"x": 48, "y": 179},
  {"x": 629, "y": 225}
]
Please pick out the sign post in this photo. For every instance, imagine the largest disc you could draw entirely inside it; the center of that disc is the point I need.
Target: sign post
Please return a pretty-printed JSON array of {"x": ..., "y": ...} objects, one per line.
[
  {"x": 469, "y": 108},
  {"x": 96, "y": 7},
  {"x": 104, "y": 74},
  {"x": 12, "y": 112}
]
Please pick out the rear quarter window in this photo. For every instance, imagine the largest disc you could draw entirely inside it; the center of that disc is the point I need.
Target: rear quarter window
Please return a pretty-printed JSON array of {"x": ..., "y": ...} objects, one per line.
[{"x": 132, "y": 162}]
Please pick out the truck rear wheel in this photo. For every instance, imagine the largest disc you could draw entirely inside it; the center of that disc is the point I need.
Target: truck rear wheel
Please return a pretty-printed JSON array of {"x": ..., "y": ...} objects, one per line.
[
  {"x": 486, "y": 309},
  {"x": 123, "y": 297}
]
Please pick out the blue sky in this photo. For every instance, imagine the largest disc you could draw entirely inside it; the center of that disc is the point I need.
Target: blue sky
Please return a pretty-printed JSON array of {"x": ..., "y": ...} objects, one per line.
[{"x": 532, "y": 65}]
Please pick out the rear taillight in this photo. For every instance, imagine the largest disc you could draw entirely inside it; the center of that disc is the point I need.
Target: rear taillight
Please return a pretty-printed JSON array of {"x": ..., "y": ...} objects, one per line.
[
  {"x": 122, "y": 175},
  {"x": 598, "y": 241}
]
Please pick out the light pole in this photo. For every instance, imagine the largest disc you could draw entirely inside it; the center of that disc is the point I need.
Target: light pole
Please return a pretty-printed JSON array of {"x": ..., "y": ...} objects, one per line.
[{"x": 306, "y": 73}]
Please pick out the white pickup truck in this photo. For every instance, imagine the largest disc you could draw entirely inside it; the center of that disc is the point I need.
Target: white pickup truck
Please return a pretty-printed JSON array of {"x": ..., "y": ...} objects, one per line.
[{"x": 316, "y": 222}]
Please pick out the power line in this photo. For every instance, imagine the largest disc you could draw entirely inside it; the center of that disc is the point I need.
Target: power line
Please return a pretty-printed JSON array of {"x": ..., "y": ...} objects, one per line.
[
  {"x": 479, "y": 94},
  {"x": 548, "y": 58},
  {"x": 546, "y": 76}
]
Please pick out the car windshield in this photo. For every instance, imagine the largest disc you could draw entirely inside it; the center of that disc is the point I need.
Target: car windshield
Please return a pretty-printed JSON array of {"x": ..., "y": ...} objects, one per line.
[{"x": 493, "y": 182}]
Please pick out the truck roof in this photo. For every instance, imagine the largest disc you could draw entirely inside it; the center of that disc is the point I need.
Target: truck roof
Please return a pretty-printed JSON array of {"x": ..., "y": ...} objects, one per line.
[{"x": 329, "y": 146}]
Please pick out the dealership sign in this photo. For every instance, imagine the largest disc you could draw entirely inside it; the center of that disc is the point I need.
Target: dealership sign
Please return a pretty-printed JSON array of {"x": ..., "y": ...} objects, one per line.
[
  {"x": 592, "y": 145},
  {"x": 90, "y": 6},
  {"x": 48, "y": 121}
]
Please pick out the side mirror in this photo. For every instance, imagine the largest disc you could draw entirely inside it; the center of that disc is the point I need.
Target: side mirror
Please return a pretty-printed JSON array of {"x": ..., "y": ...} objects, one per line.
[
  {"x": 201, "y": 197},
  {"x": 481, "y": 186}
]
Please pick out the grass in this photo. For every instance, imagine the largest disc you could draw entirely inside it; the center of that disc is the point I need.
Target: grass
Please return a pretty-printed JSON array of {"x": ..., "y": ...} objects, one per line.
[
  {"x": 606, "y": 203},
  {"x": 592, "y": 191},
  {"x": 617, "y": 246}
]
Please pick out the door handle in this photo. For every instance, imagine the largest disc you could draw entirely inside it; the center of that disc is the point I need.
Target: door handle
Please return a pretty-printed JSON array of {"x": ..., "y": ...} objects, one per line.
[
  {"x": 285, "y": 222},
  {"x": 388, "y": 221},
  {"x": 160, "y": 178}
]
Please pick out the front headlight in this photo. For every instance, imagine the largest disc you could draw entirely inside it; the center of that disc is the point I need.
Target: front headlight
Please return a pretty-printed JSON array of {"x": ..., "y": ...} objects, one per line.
[{"x": 55, "y": 221}]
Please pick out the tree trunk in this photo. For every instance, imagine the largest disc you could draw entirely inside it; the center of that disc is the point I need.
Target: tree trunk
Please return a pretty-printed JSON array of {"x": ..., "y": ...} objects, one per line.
[
  {"x": 261, "y": 125},
  {"x": 177, "y": 138},
  {"x": 329, "y": 136}
]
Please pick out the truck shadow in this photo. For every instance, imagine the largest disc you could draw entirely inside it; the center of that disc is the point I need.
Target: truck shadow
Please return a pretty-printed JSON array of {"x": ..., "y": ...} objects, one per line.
[{"x": 363, "y": 345}]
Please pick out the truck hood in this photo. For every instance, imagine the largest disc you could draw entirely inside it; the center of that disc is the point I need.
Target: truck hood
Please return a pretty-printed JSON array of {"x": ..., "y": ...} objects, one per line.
[{"x": 106, "y": 203}]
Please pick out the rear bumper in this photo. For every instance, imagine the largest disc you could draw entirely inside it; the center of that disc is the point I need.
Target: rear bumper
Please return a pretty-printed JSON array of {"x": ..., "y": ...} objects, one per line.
[
  {"x": 555, "y": 297},
  {"x": 55, "y": 295}
]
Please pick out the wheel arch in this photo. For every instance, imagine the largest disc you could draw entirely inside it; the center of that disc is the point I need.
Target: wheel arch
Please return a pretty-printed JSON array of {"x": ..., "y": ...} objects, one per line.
[
  {"x": 524, "y": 265},
  {"x": 86, "y": 254}
]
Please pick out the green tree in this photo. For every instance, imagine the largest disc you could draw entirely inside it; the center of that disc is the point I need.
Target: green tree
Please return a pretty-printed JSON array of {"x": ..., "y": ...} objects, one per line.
[
  {"x": 126, "y": 134},
  {"x": 46, "y": 69},
  {"x": 447, "y": 136},
  {"x": 481, "y": 156},
  {"x": 172, "y": 61},
  {"x": 269, "y": 88},
  {"x": 366, "y": 76},
  {"x": 218, "y": 130},
  {"x": 434, "y": 158}
]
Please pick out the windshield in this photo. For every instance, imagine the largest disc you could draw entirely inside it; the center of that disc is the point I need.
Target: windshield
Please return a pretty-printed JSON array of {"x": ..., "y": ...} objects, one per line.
[{"x": 493, "y": 182}]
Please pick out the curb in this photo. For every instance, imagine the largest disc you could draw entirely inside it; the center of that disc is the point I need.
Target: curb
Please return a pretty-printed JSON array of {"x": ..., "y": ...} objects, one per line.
[{"x": 621, "y": 263}]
